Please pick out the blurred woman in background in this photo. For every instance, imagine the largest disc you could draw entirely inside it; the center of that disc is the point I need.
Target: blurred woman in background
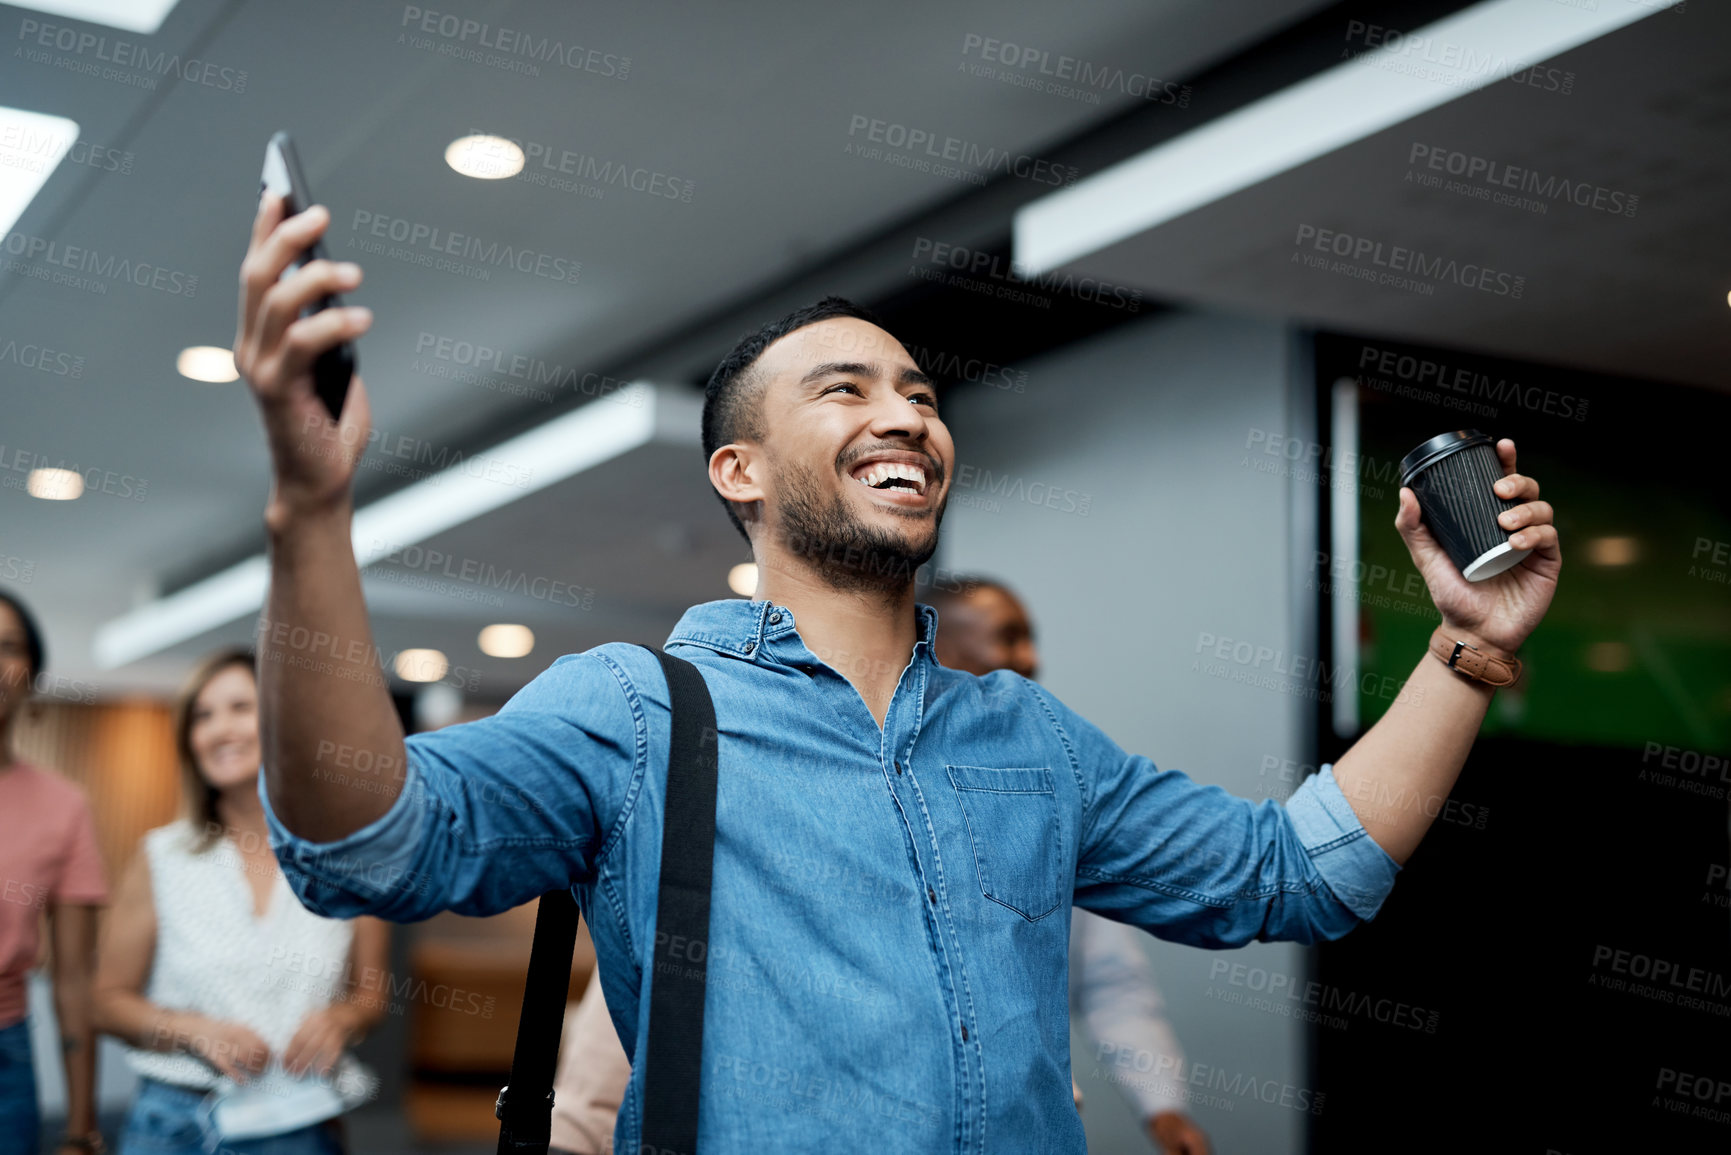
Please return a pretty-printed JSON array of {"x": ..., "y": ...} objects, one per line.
[
  {"x": 48, "y": 862},
  {"x": 238, "y": 1002}
]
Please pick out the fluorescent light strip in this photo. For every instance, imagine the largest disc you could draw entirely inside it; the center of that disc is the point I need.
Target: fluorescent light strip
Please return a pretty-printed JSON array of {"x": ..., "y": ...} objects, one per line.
[
  {"x": 222, "y": 597},
  {"x": 1345, "y": 104},
  {"x": 562, "y": 448},
  {"x": 131, "y": 15},
  {"x": 548, "y": 454},
  {"x": 1343, "y": 549},
  {"x": 31, "y": 145}
]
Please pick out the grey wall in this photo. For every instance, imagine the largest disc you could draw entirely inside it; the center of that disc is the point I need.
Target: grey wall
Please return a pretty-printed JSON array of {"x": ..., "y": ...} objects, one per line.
[{"x": 1158, "y": 423}]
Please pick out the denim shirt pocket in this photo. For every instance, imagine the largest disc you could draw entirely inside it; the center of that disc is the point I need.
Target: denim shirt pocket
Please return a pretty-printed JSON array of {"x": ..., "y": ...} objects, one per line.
[{"x": 1012, "y": 817}]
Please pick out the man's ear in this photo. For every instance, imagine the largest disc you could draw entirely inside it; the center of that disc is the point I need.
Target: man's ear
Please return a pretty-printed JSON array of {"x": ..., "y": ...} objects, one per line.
[{"x": 737, "y": 470}]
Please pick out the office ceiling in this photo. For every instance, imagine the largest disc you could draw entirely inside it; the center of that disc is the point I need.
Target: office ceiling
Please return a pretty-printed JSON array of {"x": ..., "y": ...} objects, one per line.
[
  {"x": 753, "y": 110},
  {"x": 746, "y": 113}
]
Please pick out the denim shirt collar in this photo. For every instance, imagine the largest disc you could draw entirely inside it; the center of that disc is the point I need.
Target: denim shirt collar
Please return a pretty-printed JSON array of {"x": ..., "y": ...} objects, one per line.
[{"x": 742, "y": 629}]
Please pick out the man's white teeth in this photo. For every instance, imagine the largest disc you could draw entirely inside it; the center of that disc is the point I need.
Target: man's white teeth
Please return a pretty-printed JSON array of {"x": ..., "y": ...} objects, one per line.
[{"x": 885, "y": 470}]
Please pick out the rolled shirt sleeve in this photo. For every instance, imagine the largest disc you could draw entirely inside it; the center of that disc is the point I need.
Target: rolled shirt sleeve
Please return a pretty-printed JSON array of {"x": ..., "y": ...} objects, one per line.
[
  {"x": 1195, "y": 864},
  {"x": 1357, "y": 870},
  {"x": 491, "y": 813}
]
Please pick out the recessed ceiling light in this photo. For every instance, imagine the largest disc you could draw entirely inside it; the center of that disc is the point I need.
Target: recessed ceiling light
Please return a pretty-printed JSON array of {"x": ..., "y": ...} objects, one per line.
[
  {"x": 421, "y": 665},
  {"x": 1612, "y": 550},
  {"x": 207, "y": 363},
  {"x": 507, "y": 641},
  {"x": 742, "y": 579},
  {"x": 54, "y": 484},
  {"x": 484, "y": 157}
]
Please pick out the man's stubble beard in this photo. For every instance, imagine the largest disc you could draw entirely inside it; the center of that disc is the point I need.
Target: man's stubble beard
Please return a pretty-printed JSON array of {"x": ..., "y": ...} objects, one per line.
[{"x": 846, "y": 553}]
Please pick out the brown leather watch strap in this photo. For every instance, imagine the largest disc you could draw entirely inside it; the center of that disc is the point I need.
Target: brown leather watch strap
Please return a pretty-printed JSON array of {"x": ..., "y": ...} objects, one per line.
[{"x": 1477, "y": 664}]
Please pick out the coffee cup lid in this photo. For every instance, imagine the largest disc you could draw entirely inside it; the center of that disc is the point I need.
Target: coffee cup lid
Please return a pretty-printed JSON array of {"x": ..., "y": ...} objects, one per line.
[{"x": 1438, "y": 448}]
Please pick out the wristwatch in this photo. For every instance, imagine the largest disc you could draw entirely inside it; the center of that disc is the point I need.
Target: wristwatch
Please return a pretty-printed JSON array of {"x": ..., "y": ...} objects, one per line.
[
  {"x": 92, "y": 1142},
  {"x": 1466, "y": 658}
]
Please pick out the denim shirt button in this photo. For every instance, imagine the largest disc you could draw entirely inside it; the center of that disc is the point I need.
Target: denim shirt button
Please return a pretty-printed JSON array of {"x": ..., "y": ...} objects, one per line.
[
  {"x": 775, "y": 618},
  {"x": 898, "y": 767},
  {"x": 750, "y": 646},
  {"x": 931, "y": 895}
]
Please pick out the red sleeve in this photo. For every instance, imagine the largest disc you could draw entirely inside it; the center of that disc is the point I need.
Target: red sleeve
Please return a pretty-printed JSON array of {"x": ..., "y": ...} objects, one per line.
[{"x": 82, "y": 879}]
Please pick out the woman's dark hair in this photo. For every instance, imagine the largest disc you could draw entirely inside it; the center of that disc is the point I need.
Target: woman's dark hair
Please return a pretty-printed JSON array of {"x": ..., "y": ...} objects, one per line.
[
  {"x": 197, "y": 795},
  {"x": 33, "y": 649}
]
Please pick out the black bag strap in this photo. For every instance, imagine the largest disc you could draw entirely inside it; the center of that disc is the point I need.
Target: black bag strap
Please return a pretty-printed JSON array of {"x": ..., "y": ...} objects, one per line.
[
  {"x": 525, "y": 1104},
  {"x": 673, "y": 1071},
  {"x": 673, "y": 1068}
]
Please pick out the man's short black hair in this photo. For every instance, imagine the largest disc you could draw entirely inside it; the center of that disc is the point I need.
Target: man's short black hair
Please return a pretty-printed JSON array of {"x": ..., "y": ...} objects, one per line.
[
  {"x": 731, "y": 410},
  {"x": 33, "y": 651}
]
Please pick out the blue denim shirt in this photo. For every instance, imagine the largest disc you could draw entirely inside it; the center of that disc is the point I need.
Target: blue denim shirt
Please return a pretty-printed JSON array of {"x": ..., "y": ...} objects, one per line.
[{"x": 891, "y": 907}]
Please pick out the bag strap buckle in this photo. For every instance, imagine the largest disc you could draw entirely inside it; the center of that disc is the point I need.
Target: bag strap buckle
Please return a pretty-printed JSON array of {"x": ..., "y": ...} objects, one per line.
[{"x": 499, "y": 1103}]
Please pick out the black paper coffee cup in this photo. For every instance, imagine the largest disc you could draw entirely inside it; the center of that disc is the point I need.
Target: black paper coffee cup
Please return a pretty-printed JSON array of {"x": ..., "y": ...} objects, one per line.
[{"x": 1452, "y": 475}]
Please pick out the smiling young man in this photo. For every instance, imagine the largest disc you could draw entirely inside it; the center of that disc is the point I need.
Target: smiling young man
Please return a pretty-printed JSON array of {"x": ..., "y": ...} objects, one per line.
[{"x": 898, "y": 844}]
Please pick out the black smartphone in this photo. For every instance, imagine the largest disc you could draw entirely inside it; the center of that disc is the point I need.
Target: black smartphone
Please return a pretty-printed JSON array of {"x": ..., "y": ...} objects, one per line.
[{"x": 283, "y": 177}]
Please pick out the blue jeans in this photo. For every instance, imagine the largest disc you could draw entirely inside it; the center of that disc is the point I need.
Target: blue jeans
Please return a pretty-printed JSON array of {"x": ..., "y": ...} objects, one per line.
[
  {"x": 19, "y": 1122},
  {"x": 164, "y": 1120}
]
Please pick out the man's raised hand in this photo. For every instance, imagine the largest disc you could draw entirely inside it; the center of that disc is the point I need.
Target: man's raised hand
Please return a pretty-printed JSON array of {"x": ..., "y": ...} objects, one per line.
[
  {"x": 1504, "y": 609},
  {"x": 313, "y": 458}
]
